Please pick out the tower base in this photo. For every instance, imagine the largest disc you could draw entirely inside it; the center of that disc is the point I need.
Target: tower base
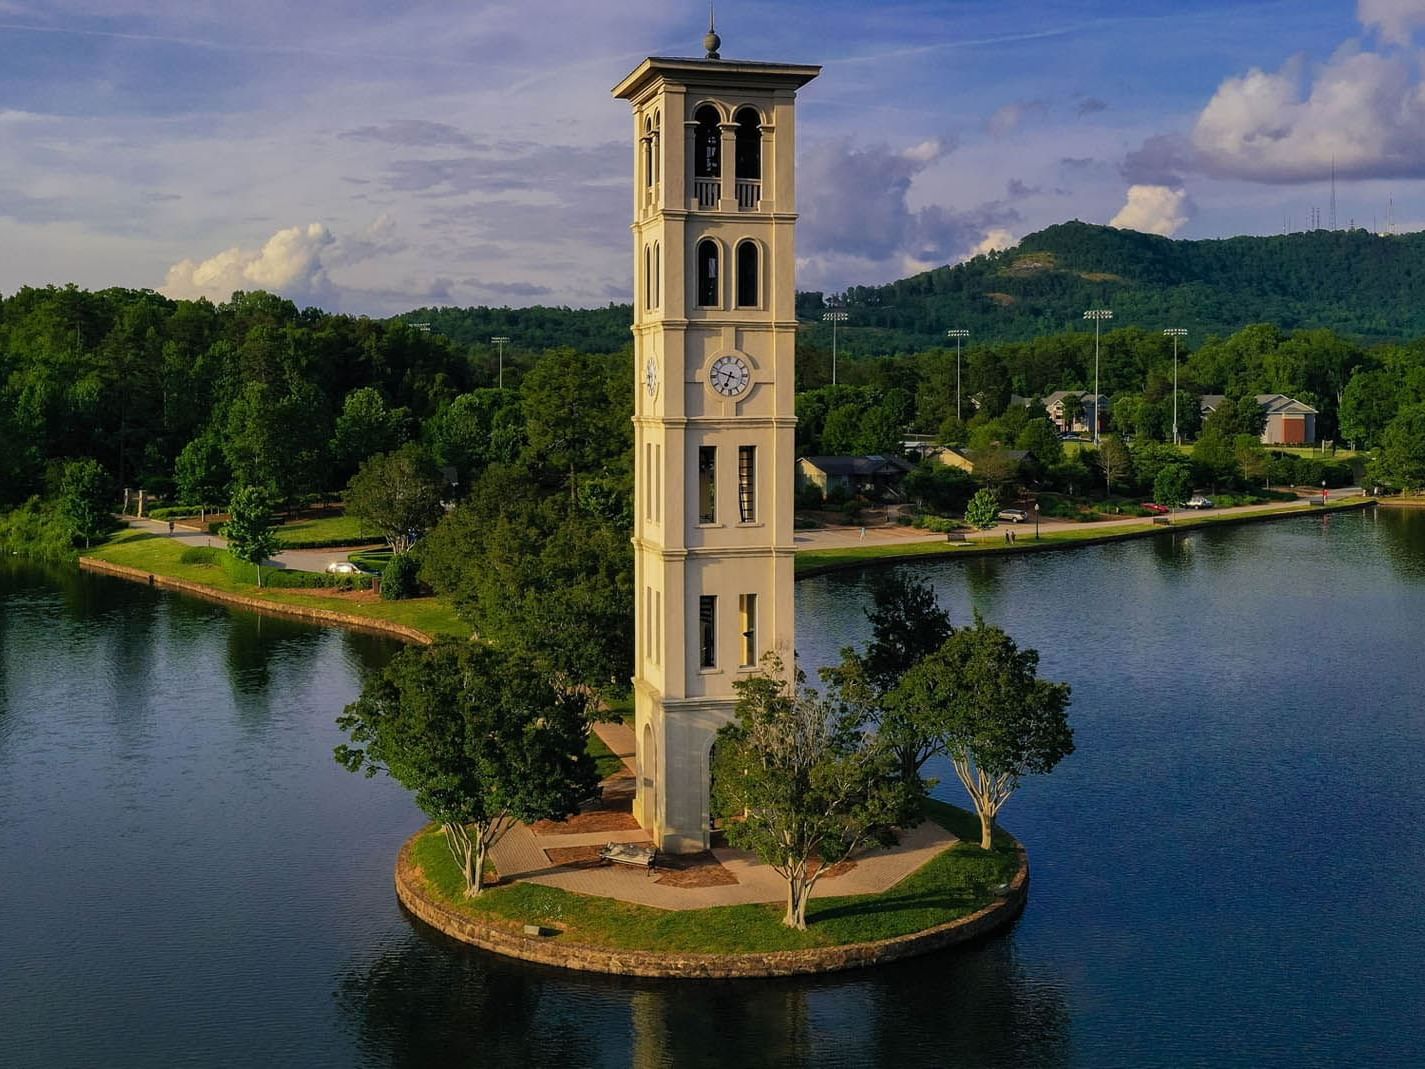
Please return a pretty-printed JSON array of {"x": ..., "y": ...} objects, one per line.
[{"x": 674, "y": 750}]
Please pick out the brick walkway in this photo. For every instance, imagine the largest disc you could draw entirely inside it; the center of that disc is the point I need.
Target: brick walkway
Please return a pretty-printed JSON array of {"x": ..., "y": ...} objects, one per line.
[{"x": 520, "y": 856}]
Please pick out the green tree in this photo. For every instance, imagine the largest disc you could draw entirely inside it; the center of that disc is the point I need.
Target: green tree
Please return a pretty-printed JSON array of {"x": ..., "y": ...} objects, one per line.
[
  {"x": 364, "y": 428},
  {"x": 201, "y": 470},
  {"x": 841, "y": 434},
  {"x": 1172, "y": 486},
  {"x": 84, "y": 493},
  {"x": 249, "y": 530},
  {"x": 1368, "y": 405},
  {"x": 1251, "y": 457},
  {"x": 998, "y": 721},
  {"x": 809, "y": 784},
  {"x": 1114, "y": 461},
  {"x": 1072, "y": 408},
  {"x": 398, "y": 494},
  {"x": 570, "y": 423},
  {"x": 1213, "y": 457},
  {"x": 939, "y": 487},
  {"x": 481, "y": 737},
  {"x": 907, "y": 625},
  {"x": 983, "y": 509},
  {"x": 1401, "y": 458},
  {"x": 1041, "y": 440}
]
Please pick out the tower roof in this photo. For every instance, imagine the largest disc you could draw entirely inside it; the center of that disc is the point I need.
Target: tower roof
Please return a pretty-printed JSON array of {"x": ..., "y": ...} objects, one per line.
[{"x": 688, "y": 71}]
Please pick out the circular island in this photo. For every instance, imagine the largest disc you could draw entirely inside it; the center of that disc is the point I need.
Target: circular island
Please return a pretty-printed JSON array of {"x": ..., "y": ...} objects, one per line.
[{"x": 959, "y": 894}]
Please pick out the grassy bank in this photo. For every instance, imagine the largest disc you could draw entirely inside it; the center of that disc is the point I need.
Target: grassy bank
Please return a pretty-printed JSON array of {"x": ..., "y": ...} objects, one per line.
[
  {"x": 162, "y": 556},
  {"x": 952, "y": 885},
  {"x": 817, "y": 561}
]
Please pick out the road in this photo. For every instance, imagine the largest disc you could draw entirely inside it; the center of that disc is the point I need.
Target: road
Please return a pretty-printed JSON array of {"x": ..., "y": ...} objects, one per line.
[
  {"x": 844, "y": 537},
  {"x": 301, "y": 560}
]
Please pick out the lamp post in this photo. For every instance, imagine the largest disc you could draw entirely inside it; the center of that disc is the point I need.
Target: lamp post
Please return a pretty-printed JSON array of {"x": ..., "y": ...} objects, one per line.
[
  {"x": 1098, "y": 315},
  {"x": 501, "y": 342},
  {"x": 1036, "y": 521},
  {"x": 834, "y": 318},
  {"x": 1175, "y": 333},
  {"x": 958, "y": 335}
]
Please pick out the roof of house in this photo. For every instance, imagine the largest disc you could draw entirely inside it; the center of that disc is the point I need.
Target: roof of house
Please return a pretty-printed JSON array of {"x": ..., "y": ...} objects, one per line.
[
  {"x": 1211, "y": 401},
  {"x": 1280, "y": 402},
  {"x": 874, "y": 465},
  {"x": 1085, "y": 396},
  {"x": 970, "y": 455}
]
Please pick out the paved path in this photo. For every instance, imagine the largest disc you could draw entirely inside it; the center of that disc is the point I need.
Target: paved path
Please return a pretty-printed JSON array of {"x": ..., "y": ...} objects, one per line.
[
  {"x": 302, "y": 560},
  {"x": 844, "y": 537},
  {"x": 521, "y": 855}
]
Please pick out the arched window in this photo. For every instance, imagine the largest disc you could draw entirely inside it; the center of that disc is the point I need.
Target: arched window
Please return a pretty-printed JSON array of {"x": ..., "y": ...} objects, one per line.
[
  {"x": 647, "y": 152},
  {"x": 647, "y": 276},
  {"x": 707, "y": 275},
  {"x": 657, "y": 275},
  {"x": 749, "y": 145},
  {"x": 707, "y": 145},
  {"x": 657, "y": 167},
  {"x": 749, "y": 290}
]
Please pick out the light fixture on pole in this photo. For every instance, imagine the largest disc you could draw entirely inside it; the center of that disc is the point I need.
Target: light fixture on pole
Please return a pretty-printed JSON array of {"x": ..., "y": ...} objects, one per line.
[
  {"x": 1098, "y": 315},
  {"x": 1175, "y": 333},
  {"x": 501, "y": 342},
  {"x": 958, "y": 335},
  {"x": 834, "y": 317}
]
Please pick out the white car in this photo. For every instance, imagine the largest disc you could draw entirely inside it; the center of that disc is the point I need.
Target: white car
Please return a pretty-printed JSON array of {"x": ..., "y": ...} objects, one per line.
[
  {"x": 342, "y": 567},
  {"x": 1012, "y": 515},
  {"x": 1197, "y": 501}
]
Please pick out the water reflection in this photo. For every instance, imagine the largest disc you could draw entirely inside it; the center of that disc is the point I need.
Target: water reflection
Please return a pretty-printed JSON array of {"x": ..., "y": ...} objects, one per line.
[{"x": 1402, "y": 536}]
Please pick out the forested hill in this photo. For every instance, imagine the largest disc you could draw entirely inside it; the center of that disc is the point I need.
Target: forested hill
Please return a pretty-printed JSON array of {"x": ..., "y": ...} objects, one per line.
[
  {"x": 1352, "y": 281},
  {"x": 590, "y": 330}
]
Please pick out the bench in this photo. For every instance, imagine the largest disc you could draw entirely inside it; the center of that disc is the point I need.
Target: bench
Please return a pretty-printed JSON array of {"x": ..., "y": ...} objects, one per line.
[
  {"x": 955, "y": 536},
  {"x": 644, "y": 857},
  {"x": 1164, "y": 520}
]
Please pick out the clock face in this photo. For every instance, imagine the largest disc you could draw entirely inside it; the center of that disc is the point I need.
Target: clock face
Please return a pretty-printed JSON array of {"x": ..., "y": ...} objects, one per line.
[
  {"x": 729, "y": 375},
  {"x": 650, "y": 376}
]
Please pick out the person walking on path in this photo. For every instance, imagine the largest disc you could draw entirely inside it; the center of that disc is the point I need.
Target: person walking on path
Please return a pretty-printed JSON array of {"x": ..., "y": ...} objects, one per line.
[
  {"x": 170, "y": 528},
  {"x": 863, "y": 534}
]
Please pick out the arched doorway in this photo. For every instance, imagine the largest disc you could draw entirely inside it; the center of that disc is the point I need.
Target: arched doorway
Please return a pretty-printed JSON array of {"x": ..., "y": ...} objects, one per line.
[{"x": 648, "y": 778}]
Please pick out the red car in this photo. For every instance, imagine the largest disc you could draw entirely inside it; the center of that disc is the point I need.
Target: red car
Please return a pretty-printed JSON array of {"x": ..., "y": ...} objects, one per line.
[{"x": 1155, "y": 508}]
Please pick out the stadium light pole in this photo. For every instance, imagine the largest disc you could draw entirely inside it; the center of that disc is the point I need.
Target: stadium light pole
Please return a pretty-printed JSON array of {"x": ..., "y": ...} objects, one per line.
[
  {"x": 834, "y": 318},
  {"x": 1098, "y": 315},
  {"x": 501, "y": 342},
  {"x": 958, "y": 335},
  {"x": 1175, "y": 333}
]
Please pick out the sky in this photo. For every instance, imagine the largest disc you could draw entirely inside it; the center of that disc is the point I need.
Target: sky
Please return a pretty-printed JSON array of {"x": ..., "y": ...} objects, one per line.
[{"x": 372, "y": 157}]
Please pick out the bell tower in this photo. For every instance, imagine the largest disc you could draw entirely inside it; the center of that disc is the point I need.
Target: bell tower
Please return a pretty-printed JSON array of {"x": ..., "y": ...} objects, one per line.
[{"x": 714, "y": 328}]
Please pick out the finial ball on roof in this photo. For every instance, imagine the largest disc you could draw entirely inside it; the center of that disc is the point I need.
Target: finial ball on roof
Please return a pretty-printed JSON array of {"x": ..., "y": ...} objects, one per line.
[{"x": 712, "y": 42}]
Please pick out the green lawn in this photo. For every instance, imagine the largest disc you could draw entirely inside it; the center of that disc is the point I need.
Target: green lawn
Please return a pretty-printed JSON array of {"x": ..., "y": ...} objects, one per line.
[
  {"x": 954, "y": 884},
  {"x": 850, "y": 556},
  {"x": 606, "y": 761},
  {"x": 162, "y": 556},
  {"x": 348, "y": 529}
]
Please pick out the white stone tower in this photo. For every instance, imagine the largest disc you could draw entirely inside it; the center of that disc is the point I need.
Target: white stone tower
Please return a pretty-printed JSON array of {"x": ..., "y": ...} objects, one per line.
[{"x": 714, "y": 341}]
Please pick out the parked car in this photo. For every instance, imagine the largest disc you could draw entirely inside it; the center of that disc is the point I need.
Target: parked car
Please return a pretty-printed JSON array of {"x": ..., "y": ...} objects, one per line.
[
  {"x": 1012, "y": 515},
  {"x": 1197, "y": 501},
  {"x": 342, "y": 567},
  {"x": 1156, "y": 509}
]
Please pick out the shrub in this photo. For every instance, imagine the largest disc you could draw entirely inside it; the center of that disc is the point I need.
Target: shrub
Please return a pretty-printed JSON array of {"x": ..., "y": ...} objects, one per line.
[
  {"x": 398, "y": 581},
  {"x": 34, "y": 530},
  {"x": 939, "y": 524},
  {"x": 983, "y": 509},
  {"x": 198, "y": 555}
]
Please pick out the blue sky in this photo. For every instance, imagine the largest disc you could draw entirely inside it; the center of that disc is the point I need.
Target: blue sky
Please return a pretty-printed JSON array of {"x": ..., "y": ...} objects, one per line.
[{"x": 370, "y": 157}]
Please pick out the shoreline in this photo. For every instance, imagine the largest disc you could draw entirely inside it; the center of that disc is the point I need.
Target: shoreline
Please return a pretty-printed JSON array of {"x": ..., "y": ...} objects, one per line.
[
  {"x": 416, "y": 898},
  {"x": 311, "y": 614},
  {"x": 856, "y": 557}
]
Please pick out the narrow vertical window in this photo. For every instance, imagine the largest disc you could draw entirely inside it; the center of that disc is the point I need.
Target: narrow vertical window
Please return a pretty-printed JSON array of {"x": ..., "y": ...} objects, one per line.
[
  {"x": 747, "y": 483},
  {"x": 747, "y": 623},
  {"x": 749, "y": 290},
  {"x": 657, "y": 483},
  {"x": 749, "y": 145},
  {"x": 658, "y": 627},
  {"x": 647, "y": 481},
  {"x": 707, "y": 631},
  {"x": 647, "y": 153},
  {"x": 647, "y": 277},
  {"x": 707, "y": 484},
  {"x": 657, "y": 274},
  {"x": 707, "y": 147},
  {"x": 648, "y": 623},
  {"x": 707, "y": 275}
]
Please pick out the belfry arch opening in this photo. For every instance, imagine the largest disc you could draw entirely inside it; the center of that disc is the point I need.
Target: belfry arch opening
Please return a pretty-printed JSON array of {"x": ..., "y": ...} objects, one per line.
[{"x": 748, "y": 165}]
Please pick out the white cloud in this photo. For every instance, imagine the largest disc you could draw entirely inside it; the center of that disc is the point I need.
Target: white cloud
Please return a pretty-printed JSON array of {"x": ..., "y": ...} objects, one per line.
[
  {"x": 1395, "y": 20},
  {"x": 1154, "y": 210},
  {"x": 995, "y": 239},
  {"x": 289, "y": 263}
]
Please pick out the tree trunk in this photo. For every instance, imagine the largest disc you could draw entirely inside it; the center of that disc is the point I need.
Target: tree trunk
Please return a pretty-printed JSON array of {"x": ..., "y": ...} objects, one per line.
[
  {"x": 475, "y": 868},
  {"x": 986, "y": 830},
  {"x": 796, "y": 903}
]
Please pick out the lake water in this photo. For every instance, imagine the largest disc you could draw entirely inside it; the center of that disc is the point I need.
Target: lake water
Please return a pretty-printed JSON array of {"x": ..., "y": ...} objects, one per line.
[{"x": 1229, "y": 871}]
